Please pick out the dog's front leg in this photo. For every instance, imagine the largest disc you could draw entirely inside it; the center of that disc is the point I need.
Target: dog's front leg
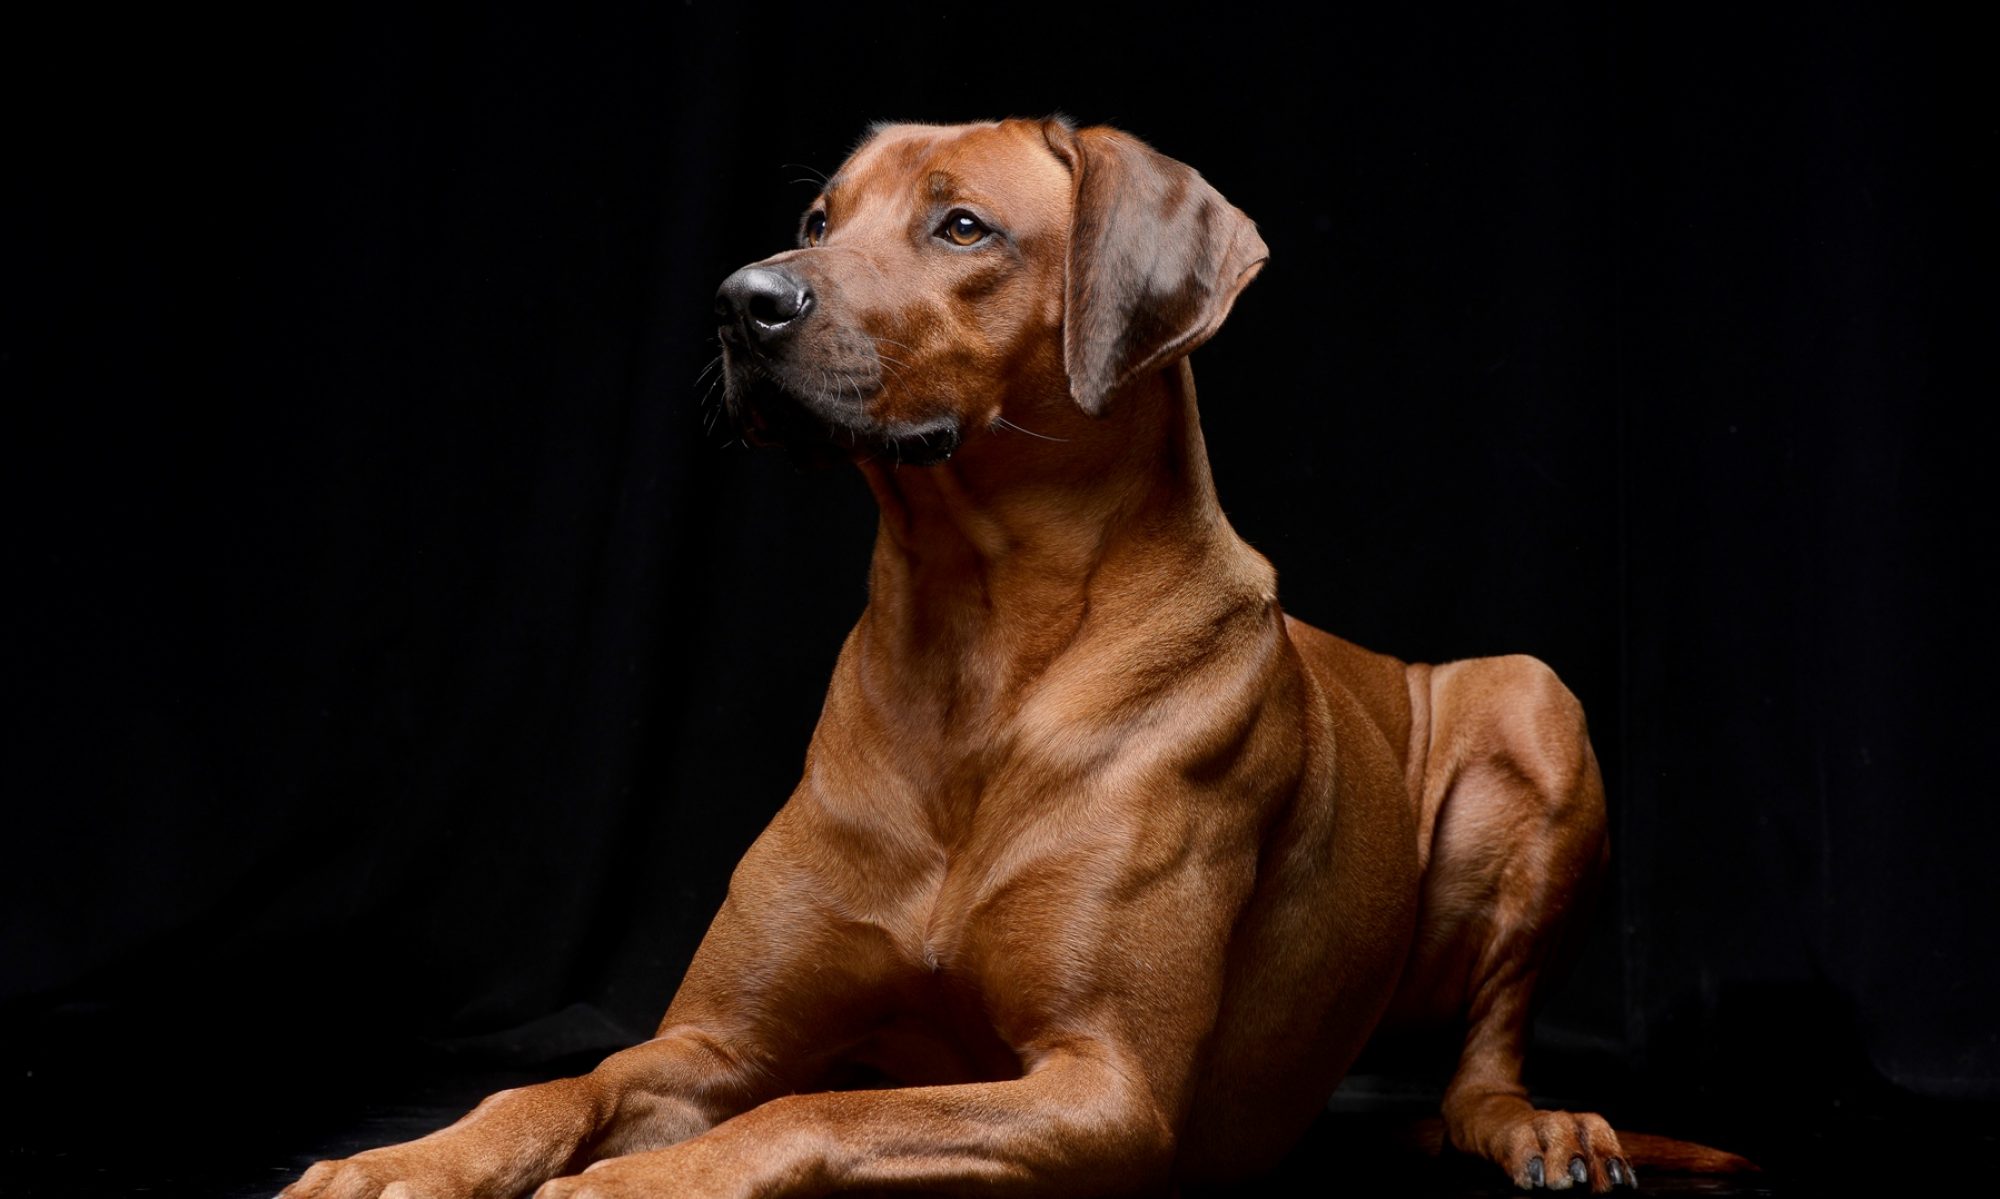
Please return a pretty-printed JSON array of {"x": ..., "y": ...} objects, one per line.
[
  {"x": 775, "y": 989},
  {"x": 667, "y": 1089},
  {"x": 1083, "y": 1121}
]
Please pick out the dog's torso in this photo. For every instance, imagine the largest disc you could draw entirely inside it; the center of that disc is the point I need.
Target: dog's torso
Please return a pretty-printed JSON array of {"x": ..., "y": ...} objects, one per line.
[{"x": 1163, "y": 748}]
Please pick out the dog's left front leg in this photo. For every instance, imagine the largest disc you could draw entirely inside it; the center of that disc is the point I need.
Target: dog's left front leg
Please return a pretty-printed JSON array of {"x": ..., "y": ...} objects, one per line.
[
  {"x": 674, "y": 1085},
  {"x": 771, "y": 990},
  {"x": 1083, "y": 1121}
]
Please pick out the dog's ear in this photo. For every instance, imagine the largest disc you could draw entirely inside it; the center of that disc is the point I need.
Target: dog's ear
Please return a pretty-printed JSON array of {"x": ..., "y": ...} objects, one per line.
[{"x": 1156, "y": 259}]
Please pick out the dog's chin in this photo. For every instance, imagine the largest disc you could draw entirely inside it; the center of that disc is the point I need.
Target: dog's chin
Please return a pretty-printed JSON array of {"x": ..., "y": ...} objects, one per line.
[{"x": 817, "y": 433}]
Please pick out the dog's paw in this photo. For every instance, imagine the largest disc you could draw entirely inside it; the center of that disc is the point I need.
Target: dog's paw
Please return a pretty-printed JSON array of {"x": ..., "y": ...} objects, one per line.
[
  {"x": 696, "y": 1169},
  {"x": 1558, "y": 1151},
  {"x": 379, "y": 1174},
  {"x": 598, "y": 1183}
]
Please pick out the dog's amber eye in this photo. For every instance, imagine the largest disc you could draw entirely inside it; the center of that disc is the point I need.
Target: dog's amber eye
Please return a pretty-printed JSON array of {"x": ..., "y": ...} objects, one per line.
[
  {"x": 815, "y": 230},
  {"x": 961, "y": 228}
]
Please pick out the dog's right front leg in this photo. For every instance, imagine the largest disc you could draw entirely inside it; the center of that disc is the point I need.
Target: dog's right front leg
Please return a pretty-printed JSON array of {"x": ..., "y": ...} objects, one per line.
[
  {"x": 778, "y": 986},
  {"x": 675, "y": 1086}
]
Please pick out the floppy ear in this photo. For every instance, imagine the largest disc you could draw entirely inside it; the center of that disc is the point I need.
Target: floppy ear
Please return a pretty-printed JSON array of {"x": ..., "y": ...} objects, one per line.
[{"x": 1156, "y": 259}]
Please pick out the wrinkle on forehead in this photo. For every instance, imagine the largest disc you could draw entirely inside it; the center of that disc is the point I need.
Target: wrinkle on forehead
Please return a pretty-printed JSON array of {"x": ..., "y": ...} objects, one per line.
[
  {"x": 943, "y": 186},
  {"x": 888, "y": 156},
  {"x": 1007, "y": 164}
]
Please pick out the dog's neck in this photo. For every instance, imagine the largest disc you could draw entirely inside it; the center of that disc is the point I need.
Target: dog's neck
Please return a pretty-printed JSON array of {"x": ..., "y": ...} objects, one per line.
[{"x": 986, "y": 567}]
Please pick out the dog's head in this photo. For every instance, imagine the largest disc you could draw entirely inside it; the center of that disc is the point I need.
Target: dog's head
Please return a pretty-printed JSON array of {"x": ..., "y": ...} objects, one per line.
[{"x": 954, "y": 280}]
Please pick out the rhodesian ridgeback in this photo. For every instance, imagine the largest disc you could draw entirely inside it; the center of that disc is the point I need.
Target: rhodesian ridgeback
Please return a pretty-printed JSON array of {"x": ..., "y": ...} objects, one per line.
[{"x": 1103, "y": 868}]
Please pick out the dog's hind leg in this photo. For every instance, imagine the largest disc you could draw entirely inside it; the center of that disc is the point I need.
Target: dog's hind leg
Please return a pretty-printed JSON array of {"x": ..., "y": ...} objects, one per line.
[{"x": 1519, "y": 846}]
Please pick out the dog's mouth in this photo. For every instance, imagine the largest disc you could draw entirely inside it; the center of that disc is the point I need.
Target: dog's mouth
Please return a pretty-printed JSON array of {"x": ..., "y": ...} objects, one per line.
[{"x": 824, "y": 418}]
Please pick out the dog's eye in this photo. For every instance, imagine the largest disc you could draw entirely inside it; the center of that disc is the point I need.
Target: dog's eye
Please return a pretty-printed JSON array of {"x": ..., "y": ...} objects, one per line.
[
  {"x": 815, "y": 230},
  {"x": 961, "y": 228}
]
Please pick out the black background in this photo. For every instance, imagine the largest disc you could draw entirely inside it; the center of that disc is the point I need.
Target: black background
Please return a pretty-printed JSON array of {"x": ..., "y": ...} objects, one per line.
[{"x": 395, "y": 665}]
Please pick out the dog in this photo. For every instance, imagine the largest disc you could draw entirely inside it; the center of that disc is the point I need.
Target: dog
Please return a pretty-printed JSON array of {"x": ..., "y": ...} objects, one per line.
[{"x": 1103, "y": 868}]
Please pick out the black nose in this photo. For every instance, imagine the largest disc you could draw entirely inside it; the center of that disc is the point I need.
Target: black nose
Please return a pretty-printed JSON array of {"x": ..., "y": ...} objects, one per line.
[{"x": 763, "y": 301}]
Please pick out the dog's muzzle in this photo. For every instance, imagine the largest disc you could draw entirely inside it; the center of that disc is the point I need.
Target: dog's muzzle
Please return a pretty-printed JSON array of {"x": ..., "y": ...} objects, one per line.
[{"x": 792, "y": 377}]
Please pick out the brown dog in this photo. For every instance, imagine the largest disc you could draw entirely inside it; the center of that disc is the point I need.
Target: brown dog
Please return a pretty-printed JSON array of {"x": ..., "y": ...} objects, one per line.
[{"x": 1106, "y": 865}]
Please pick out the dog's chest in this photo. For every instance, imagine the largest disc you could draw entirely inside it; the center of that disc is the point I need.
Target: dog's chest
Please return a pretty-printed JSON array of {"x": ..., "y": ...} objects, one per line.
[{"x": 1022, "y": 864}]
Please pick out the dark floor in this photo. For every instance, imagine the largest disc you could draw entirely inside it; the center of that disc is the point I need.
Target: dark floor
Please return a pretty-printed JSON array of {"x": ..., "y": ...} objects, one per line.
[{"x": 135, "y": 1126}]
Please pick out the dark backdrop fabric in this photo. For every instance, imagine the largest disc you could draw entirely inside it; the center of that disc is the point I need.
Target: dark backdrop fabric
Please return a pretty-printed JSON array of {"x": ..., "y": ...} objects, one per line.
[{"x": 395, "y": 656}]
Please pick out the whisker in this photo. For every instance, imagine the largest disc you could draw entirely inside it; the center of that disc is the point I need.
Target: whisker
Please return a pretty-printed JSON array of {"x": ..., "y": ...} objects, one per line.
[
  {"x": 714, "y": 409},
  {"x": 1003, "y": 421},
  {"x": 889, "y": 359}
]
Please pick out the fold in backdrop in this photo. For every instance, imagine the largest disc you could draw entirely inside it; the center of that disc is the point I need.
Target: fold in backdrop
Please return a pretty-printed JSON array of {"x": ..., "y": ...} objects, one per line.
[{"x": 394, "y": 656}]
